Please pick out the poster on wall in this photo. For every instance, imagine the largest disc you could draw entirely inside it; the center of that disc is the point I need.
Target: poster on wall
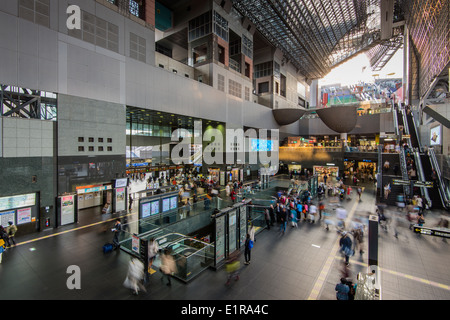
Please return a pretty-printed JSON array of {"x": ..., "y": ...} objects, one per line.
[
  {"x": 120, "y": 199},
  {"x": 23, "y": 216},
  {"x": 7, "y": 216},
  {"x": 435, "y": 136},
  {"x": 67, "y": 209}
]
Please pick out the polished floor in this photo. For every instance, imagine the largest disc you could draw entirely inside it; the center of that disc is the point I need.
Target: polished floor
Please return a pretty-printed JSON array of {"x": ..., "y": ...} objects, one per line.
[{"x": 302, "y": 264}]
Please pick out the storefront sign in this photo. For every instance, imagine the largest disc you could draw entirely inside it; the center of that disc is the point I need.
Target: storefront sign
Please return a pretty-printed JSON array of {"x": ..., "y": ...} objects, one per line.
[
  {"x": 94, "y": 189},
  {"x": 121, "y": 183}
]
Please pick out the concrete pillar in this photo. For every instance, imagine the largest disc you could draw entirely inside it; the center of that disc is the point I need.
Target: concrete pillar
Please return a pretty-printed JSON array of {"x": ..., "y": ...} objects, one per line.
[{"x": 344, "y": 138}]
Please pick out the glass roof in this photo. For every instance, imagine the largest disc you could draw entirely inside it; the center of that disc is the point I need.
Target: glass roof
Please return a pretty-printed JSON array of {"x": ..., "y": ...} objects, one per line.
[{"x": 315, "y": 35}]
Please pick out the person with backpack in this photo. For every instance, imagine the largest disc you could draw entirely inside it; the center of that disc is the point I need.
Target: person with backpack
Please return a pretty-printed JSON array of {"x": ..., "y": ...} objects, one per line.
[{"x": 11, "y": 230}]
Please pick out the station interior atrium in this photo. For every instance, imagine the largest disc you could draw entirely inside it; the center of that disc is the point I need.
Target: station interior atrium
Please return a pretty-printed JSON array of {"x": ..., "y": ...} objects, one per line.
[{"x": 224, "y": 150}]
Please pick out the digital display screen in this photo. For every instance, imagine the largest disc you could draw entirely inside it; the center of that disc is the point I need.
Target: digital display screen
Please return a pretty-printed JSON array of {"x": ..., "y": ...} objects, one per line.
[
  {"x": 174, "y": 202},
  {"x": 261, "y": 145},
  {"x": 166, "y": 204},
  {"x": 145, "y": 213},
  {"x": 154, "y": 207}
]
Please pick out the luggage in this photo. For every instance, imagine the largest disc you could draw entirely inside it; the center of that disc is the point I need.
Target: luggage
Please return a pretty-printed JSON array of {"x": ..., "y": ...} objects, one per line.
[{"x": 107, "y": 248}]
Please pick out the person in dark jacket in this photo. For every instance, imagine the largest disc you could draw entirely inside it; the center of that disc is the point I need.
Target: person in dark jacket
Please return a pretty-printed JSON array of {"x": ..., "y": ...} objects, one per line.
[
  {"x": 346, "y": 246},
  {"x": 248, "y": 249},
  {"x": 117, "y": 231}
]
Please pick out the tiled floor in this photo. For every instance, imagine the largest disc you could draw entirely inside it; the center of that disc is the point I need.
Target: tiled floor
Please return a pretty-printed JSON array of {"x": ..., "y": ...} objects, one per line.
[{"x": 298, "y": 265}]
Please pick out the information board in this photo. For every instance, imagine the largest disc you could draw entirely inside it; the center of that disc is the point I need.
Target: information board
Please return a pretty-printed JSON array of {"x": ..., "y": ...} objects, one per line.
[
  {"x": 243, "y": 225},
  {"x": 165, "y": 204},
  {"x": 7, "y": 216},
  {"x": 67, "y": 209},
  {"x": 13, "y": 202},
  {"x": 120, "y": 199},
  {"x": 220, "y": 239},
  {"x": 173, "y": 202},
  {"x": 232, "y": 231},
  {"x": 145, "y": 210}
]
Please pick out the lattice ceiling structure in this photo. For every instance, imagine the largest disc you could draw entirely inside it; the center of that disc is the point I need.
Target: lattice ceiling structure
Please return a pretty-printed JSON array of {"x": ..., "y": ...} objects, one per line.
[{"x": 316, "y": 35}]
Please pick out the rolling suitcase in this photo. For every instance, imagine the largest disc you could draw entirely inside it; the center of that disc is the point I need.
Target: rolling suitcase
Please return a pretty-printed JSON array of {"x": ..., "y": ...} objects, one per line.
[{"x": 107, "y": 248}]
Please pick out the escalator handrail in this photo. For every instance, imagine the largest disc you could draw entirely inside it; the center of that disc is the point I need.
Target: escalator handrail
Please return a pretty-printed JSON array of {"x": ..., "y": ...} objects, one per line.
[
  {"x": 421, "y": 175},
  {"x": 415, "y": 130},
  {"x": 435, "y": 166},
  {"x": 406, "y": 126},
  {"x": 395, "y": 115}
]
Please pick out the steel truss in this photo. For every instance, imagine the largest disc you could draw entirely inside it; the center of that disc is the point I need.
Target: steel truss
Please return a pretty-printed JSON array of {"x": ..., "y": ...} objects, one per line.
[
  {"x": 315, "y": 35},
  {"x": 27, "y": 103}
]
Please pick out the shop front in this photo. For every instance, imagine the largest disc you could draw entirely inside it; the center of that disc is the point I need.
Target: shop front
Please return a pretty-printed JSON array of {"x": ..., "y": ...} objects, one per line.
[
  {"x": 95, "y": 196},
  {"x": 328, "y": 170},
  {"x": 294, "y": 169}
]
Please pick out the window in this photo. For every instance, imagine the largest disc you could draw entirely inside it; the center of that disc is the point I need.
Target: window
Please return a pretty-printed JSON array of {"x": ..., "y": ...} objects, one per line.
[
  {"x": 109, "y": 148},
  {"x": 221, "y": 82},
  {"x": 200, "y": 26},
  {"x": 91, "y": 139},
  {"x": 247, "y": 93},
  {"x": 247, "y": 47},
  {"x": 247, "y": 70},
  {"x": 97, "y": 31},
  {"x": 135, "y": 8},
  {"x": 100, "y": 149},
  {"x": 263, "y": 69},
  {"x": 36, "y": 11},
  {"x": 137, "y": 47},
  {"x": 235, "y": 88},
  {"x": 109, "y": 140},
  {"x": 263, "y": 87},
  {"x": 80, "y": 139},
  {"x": 100, "y": 140},
  {"x": 221, "y": 54},
  {"x": 80, "y": 149},
  {"x": 220, "y": 26},
  {"x": 91, "y": 148}
]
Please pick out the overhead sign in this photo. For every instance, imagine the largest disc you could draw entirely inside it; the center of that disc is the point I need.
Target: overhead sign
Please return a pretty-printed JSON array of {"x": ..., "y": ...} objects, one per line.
[
  {"x": 399, "y": 182},
  {"x": 437, "y": 232},
  {"x": 425, "y": 184}
]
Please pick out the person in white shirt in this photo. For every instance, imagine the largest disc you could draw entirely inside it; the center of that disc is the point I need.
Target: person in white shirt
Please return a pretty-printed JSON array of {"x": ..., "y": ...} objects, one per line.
[{"x": 312, "y": 212}]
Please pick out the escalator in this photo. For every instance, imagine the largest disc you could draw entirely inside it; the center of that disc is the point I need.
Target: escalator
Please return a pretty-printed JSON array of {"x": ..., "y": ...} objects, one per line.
[
  {"x": 433, "y": 193},
  {"x": 412, "y": 131}
]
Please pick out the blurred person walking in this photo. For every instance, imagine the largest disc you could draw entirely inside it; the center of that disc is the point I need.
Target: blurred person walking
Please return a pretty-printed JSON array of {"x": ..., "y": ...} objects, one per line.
[
  {"x": 346, "y": 246},
  {"x": 135, "y": 276},
  {"x": 168, "y": 266},
  {"x": 248, "y": 249}
]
